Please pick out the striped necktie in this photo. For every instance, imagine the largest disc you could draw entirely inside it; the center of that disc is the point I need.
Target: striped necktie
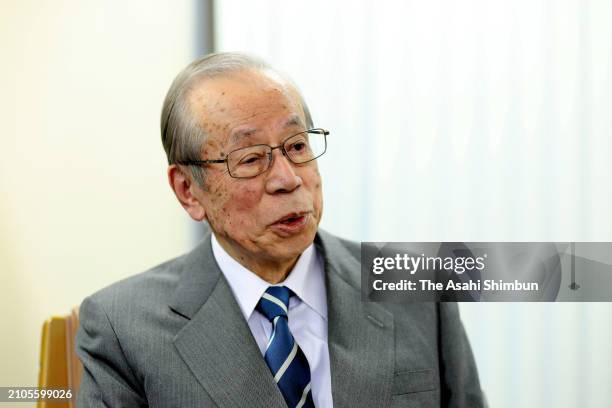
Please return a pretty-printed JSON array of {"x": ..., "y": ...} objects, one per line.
[{"x": 285, "y": 359}]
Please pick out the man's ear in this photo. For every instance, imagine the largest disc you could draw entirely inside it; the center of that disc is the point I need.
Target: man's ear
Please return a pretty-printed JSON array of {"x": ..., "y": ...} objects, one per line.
[{"x": 187, "y": 191}]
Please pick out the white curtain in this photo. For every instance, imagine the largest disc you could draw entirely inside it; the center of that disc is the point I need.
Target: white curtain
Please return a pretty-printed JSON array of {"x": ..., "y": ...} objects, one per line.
[{"x": 480, "y": 120}]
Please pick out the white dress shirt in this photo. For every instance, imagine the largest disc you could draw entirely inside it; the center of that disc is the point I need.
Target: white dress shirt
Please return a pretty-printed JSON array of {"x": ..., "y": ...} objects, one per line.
[{"x": 307, "y": 311}]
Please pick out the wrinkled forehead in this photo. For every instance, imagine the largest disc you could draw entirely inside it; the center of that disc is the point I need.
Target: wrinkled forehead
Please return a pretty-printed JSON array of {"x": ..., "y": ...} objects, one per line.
[{"x": 240, "y": 104}]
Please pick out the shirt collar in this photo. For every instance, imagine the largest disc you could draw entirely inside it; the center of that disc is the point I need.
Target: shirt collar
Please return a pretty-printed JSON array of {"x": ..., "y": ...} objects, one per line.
[{"x": 306, "y": 280}]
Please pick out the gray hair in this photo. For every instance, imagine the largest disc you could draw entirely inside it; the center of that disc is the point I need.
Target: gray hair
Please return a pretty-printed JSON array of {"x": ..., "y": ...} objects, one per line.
[{"x": 181, "y": 132}]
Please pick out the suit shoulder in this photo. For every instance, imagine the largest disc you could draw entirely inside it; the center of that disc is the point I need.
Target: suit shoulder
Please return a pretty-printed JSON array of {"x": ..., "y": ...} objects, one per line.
[
  {"x": 340, "y": 246},
  {"x": 145, "y": 287}
]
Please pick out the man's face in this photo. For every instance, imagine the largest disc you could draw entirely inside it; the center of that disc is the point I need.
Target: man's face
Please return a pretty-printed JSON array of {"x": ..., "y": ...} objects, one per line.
[{"x": 273, "y": 216}]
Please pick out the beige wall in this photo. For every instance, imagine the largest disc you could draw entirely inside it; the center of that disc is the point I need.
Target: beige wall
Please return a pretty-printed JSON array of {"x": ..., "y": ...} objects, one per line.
[{"x": 83, "y": 195}]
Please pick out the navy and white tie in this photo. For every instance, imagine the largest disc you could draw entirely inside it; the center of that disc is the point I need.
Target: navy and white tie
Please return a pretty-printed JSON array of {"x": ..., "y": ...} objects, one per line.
[{"x": 285, "y": 359}]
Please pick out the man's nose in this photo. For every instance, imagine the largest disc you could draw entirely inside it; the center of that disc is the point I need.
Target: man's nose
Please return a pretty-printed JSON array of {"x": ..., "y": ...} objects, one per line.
[{"x": 282, "y": 177}]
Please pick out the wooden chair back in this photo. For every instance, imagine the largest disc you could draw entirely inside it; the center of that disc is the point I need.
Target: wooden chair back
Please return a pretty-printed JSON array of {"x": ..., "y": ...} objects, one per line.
[{"x": 59, "y": 364}]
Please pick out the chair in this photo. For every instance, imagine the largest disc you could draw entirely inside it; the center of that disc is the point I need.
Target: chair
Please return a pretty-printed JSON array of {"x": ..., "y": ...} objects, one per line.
[{"x": 59, "y": 365}]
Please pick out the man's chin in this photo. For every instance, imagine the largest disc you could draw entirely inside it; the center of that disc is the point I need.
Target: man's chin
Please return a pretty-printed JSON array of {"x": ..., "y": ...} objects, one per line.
[{"x": 293, "y": 245}]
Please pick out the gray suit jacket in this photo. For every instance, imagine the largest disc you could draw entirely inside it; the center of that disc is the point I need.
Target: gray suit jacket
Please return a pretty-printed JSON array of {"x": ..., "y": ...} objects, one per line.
[{"x": 174, "y": 336}]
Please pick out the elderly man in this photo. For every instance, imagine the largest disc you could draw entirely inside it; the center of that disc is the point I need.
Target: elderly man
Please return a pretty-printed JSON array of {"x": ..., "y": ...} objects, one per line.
[{"x": 266, "y": 310}]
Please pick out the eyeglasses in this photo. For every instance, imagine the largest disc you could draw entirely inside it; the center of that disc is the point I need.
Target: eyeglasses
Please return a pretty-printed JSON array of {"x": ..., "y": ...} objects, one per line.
[{"x": 251, "y": 161}]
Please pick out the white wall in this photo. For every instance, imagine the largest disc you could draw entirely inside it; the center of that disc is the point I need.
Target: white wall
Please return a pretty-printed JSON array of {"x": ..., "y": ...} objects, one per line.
[
  {"x": 83, "y": 193},
  {"x": 480, "y": 120}
]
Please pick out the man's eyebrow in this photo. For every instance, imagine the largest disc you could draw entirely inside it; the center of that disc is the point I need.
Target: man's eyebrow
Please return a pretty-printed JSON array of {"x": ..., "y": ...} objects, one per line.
[
  {"x": 240, "y": 134},
  {"x": 294, "y": 120}
]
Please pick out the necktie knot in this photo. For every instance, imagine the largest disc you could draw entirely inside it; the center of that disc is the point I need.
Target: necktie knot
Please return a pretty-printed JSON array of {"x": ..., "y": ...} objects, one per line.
[{"x": 274, "y": 302}]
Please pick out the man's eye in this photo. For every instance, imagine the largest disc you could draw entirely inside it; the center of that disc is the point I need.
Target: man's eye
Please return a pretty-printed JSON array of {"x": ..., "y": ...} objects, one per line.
[
  {"x": 251, "y": 159},
  {"x": 298, "y": 146}
]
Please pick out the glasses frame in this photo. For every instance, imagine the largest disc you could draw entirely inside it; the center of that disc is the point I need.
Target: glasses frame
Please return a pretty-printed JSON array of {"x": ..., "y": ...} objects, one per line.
[{"x": 281, "y": 146}]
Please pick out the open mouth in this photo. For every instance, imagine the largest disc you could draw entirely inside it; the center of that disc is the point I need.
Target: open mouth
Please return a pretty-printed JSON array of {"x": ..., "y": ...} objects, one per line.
[
  {"x": 291, "y": 224},
  {"x": 291, "y": 220}
]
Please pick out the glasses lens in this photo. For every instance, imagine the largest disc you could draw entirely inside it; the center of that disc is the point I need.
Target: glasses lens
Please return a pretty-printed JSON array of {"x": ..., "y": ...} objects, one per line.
[
  {"x": 306, "y": 146},
  {"x": 249, "y": 161}
]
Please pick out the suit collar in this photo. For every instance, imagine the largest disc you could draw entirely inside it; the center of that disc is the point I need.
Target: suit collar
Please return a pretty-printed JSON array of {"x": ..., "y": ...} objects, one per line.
[{"x": 199, "y": 274}]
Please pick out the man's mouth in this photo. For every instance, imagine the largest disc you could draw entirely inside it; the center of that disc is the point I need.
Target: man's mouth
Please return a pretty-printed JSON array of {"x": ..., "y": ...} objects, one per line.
[
  {"x": 291, "y": 219},
  {"x": 291, "y": 223}
]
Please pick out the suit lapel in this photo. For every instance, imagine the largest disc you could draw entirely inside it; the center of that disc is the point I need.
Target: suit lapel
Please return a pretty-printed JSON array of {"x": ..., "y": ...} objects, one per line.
[
  {"x": 360, "y": 334},
  {"x": 218, "y": 347},
  {"x": 217, "y": 344}
]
